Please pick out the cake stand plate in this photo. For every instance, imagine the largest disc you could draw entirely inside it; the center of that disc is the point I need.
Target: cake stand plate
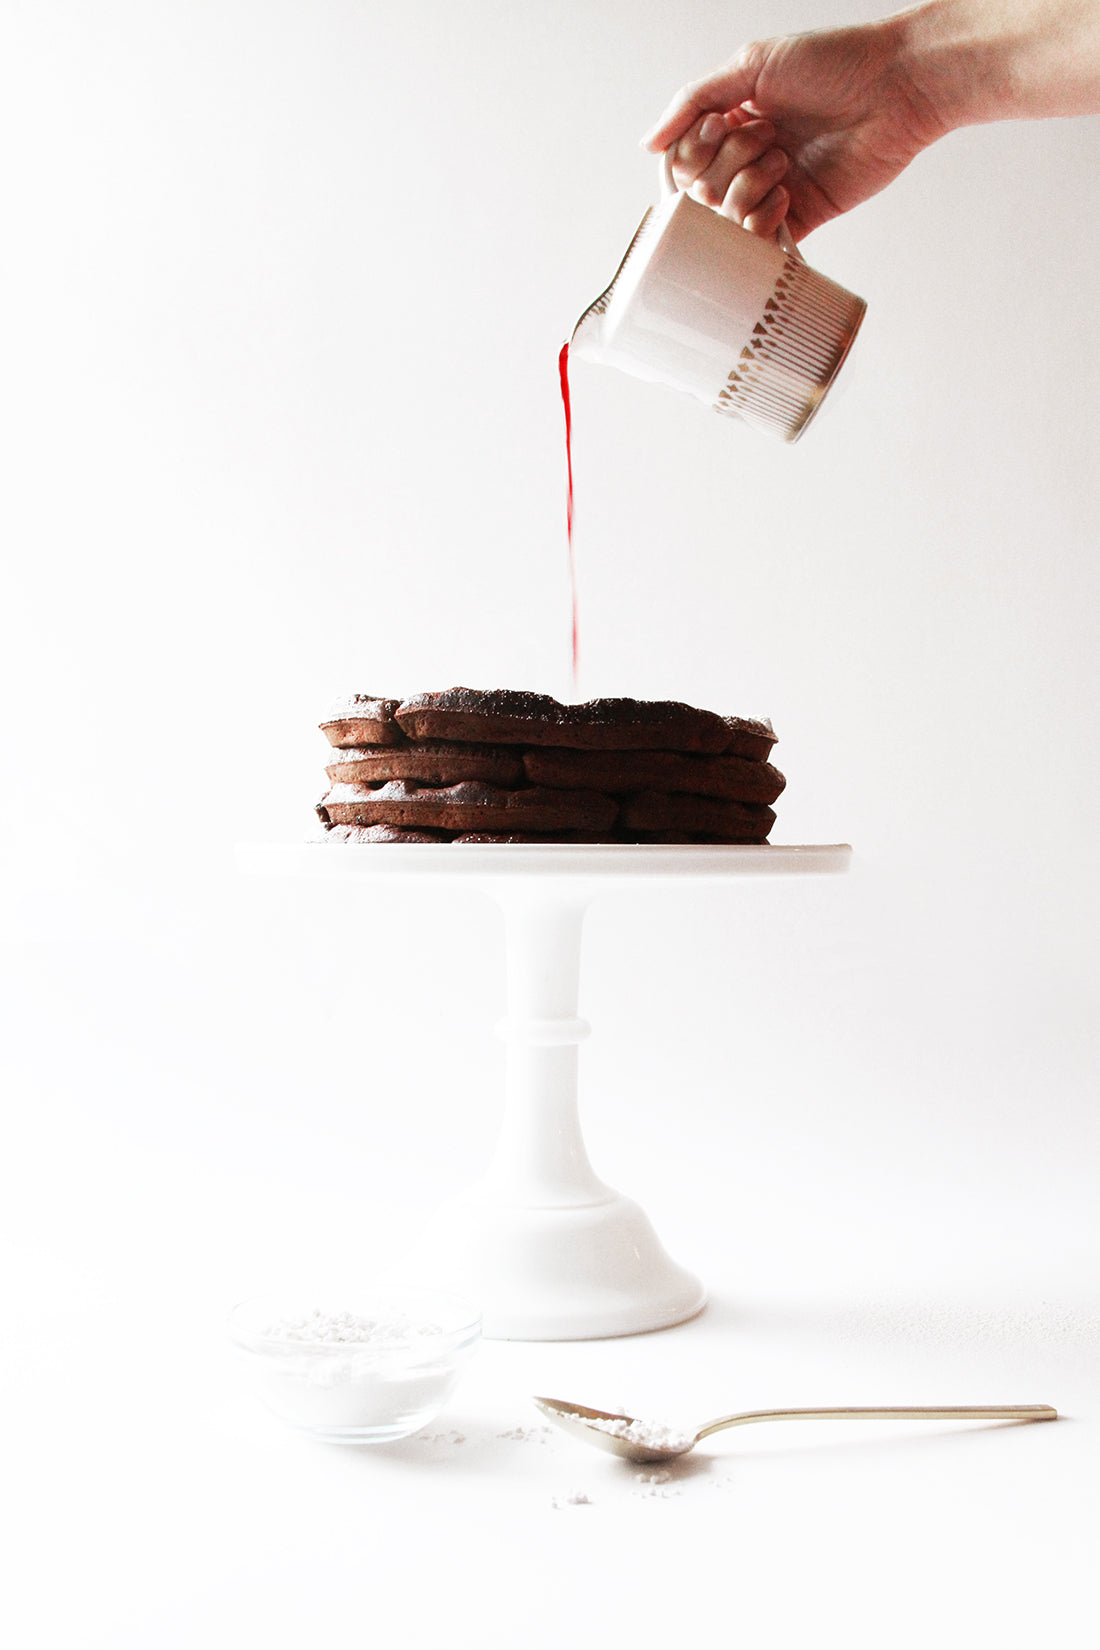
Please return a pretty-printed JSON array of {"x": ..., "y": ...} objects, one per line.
[{"x": 545, "y": 1247}]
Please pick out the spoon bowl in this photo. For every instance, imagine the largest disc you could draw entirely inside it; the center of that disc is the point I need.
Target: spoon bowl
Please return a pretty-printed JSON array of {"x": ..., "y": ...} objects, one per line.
[{"x": 649, "y": 1441}]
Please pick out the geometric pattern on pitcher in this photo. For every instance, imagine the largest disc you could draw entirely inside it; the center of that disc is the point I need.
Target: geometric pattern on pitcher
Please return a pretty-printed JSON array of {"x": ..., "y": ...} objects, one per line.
[{"x": 793, "y": 352}]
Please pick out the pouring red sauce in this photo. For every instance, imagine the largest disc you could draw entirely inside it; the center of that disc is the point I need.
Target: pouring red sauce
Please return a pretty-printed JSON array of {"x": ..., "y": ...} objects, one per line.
[{"x": 563, "y": 373}]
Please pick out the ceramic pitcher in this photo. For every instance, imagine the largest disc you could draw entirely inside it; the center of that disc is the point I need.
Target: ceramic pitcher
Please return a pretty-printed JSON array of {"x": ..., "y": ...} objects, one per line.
[{"x": 741, "y": 323}]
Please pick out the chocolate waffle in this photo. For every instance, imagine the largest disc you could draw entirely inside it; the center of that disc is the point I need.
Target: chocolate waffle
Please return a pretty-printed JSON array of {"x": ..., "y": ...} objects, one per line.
[
  {"x": 362, "y": 720},
  {"x": 468, "y": 765}
]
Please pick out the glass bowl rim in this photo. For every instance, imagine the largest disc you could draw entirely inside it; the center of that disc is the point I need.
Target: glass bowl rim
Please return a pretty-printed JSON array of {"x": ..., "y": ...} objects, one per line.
[{"x": 462, "y": 1329}]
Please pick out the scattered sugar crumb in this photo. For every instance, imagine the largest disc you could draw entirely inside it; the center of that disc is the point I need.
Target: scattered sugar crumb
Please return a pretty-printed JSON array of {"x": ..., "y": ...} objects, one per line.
[
  {"x": 655, "y": 1485},
  {"x": 528, "y": 1435},
  {"x": 575, "y": 1498},
  {"x": 442, "y": 1437}
]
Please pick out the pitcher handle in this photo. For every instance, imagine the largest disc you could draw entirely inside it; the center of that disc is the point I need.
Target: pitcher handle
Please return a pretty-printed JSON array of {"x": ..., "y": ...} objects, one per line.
[{"x": 669, "y": 186}]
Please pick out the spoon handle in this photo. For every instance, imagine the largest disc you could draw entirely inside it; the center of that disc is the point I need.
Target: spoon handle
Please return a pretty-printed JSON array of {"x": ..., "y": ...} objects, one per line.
[{"x": 963, "y": 1412}]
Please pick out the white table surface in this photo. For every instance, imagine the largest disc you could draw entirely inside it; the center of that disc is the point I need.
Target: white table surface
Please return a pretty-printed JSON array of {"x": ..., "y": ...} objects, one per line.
[{"x": 166, "y": 1508}]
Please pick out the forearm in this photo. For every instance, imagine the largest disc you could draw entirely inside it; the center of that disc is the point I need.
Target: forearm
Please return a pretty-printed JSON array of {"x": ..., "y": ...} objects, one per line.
[{"x": 975, "y": 61}]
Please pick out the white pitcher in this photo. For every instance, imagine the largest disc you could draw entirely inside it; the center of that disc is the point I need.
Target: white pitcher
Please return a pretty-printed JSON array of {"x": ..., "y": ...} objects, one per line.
[{"x": 742, "y": 323}]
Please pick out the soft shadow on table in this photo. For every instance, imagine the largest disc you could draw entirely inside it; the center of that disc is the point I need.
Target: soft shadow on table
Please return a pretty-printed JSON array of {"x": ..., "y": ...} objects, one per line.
[
  {"x": 475, "y": 1449},
  {"x": 925, "y": 1320},
  {"x": 485, "y": 1454}
]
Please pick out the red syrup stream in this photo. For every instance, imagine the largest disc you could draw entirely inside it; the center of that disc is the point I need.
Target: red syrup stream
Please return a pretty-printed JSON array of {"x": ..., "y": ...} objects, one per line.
[{"x": 563, "y": 373}]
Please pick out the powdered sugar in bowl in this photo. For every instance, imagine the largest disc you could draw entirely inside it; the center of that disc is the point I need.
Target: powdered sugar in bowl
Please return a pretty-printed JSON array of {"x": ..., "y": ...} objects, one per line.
[{"x": 378, "y": 1371}]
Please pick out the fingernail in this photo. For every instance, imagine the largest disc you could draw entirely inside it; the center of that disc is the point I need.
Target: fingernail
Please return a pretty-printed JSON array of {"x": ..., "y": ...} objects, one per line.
[{"x": 713, "y": 129}]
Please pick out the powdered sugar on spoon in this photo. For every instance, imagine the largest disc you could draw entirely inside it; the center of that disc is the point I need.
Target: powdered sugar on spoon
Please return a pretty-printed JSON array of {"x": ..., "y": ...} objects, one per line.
[{"x": 645, "y": 1441}]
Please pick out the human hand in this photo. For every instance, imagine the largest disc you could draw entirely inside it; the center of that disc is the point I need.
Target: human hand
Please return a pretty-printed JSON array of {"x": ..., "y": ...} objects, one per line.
[
  {"x": 839, "y": 105},
  {"x": 730, "y": 161}
]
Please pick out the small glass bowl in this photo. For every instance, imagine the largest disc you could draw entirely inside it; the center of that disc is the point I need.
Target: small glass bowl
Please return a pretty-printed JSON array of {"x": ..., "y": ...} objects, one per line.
[{"x": 388, "y": 1382}]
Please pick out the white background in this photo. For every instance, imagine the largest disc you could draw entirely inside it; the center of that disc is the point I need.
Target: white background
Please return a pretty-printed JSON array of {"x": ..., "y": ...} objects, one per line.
[{"x": 283, "y": 286}]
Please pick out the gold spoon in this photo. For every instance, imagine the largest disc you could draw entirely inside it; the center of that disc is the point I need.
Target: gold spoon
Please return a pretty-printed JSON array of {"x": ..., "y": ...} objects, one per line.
[{"x": 650, "y": 1441}]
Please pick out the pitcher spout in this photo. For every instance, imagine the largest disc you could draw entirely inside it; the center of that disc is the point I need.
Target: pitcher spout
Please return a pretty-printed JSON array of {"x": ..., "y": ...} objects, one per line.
[{"x": 593, "y": 337}]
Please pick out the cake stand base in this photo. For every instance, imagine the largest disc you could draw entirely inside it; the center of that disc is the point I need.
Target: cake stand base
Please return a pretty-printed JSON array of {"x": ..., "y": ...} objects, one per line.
[
  {"x": 541, "y": 1244},
  {"x": 559, "y": 1274}
]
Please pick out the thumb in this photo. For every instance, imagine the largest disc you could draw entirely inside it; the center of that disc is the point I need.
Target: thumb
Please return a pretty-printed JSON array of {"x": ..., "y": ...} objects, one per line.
[{"x": 719, "y": 92}]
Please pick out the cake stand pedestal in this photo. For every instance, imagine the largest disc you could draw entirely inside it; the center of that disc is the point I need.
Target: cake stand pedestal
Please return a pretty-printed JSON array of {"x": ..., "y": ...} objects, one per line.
[{"x": 540, "y": 1242}]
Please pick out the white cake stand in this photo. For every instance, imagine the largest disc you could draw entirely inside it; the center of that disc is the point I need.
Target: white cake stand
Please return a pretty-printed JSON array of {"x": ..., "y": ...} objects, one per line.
[{"x": 548, "y": 1250}]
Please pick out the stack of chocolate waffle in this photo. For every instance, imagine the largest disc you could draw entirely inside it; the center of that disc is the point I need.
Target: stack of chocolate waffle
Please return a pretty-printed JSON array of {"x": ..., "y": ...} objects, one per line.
[{"x": 504, "y": 766}]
